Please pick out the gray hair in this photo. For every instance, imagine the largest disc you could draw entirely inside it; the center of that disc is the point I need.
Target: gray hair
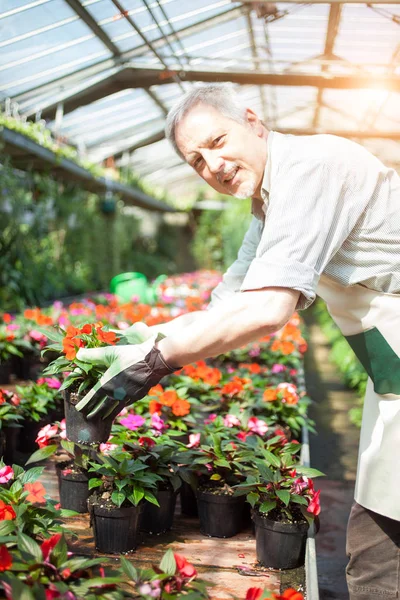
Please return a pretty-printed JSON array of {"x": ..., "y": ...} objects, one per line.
[{"x": 218, "y": 95}]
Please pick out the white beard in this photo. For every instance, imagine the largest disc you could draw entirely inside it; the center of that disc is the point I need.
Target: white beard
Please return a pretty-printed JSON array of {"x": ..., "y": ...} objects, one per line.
[{"x": 246, "y": 191}]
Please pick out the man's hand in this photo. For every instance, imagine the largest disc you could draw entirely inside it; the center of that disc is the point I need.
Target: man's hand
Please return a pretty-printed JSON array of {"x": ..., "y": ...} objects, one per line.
[{"x": 132, "y": 371}]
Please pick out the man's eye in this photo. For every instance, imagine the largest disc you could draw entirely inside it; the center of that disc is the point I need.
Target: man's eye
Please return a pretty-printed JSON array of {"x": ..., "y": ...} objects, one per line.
[
  {"x": 197, "y": 162},
  {"x": 218, "y": 139}
]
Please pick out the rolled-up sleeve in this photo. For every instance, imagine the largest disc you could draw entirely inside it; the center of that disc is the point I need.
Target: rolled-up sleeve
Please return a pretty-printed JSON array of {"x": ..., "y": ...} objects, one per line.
[
  {"x": 233, "y": 278},
  {"x": 313, "y": 207}
]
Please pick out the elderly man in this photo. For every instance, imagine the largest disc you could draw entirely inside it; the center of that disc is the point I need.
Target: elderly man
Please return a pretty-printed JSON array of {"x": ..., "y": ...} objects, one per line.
[{"x": 326, "y": 221}]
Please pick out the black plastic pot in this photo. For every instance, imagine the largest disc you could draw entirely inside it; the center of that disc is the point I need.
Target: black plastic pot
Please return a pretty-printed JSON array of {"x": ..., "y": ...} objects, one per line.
[
  {"x": 220, "y": 515},
  {"x": 73, "y": 488},
  {"x": 158, "y": 519},
  {"x": 28, "y": 434},
  {"x": 115, "y": 530},
  {"x": 28, "y": 367},
  {"x": 78, "y": 428},
  {"x": 11, "y": 435},
  {"x": 188, "y": 501},
  {"x": 280, "y": 545},
  {"x": 5, "y": 372}
]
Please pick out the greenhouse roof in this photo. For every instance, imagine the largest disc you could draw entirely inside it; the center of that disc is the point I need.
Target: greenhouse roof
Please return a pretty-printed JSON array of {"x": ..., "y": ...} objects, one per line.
[{"x": 104, "y": 73}]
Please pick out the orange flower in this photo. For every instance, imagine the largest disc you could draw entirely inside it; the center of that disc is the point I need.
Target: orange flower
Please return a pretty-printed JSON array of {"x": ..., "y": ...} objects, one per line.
[
  {"x": 270, "y": 395},
  {"x": 252, "y": 367},
  {"x": 86, "y": 328},
  {"x": 44, "y": 320},
  {"x": 235, "y": 386},
  {"x": 7, "y": 512},
  {"x": 156, "y": 390},
  {"x": 36, "y": 492},
  {"x": 31, "y": 313},
  {"x": 287, "y": 348},
  {"x": 291, "y": 398},
  {"x": 168, "y": 398},
  {"x": 275, "y": 346},
  {"x": 181, "y": 407},
  {"x": 108, "y": 337},
  {"x": 7, "y": 318},
  {"x": 155, "y": 407},
  {"x": 70, "y": 347},
  {"x": 72, "y": 331}
]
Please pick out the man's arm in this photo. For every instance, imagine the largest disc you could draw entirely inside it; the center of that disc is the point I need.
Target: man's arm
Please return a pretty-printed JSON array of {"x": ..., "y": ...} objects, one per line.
[{"x": 246, "y": 317}]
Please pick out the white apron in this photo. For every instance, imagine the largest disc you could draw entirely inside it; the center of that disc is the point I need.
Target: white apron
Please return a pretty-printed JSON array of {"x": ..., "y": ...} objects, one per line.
[{"x": 370, "y": 321}]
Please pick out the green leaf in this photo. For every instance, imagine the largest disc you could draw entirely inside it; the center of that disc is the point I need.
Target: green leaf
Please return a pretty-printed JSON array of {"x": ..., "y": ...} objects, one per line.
[
  {"x": 299, "y": 499},
  {"x": 264, "y": 471},
  {"x": 216, "y": 477},
  {"x": 283, "y": 495},
  {"x": 265, "y": 507},
  {"x": 221, "y": 462},
  {"x": 309, "y": 472},
  {"x": 129, "y": 569},
  {"x": 68, "y": 446},
  {"x": 94, "y": 482},
  {"x": 42, "y": 453},
  {"x": 118, "y": 498},
  {"x": 271, "y": 459},
  {"x": 252, "y": 498},
  {"x": 27, "y": 544},
  {"x": 51, "y": 334},
  {"x": 6, "y": 527},
  {"x": 168, "y": 563},
  {"x": 137, "y": 494},
  {"x": 151, "y": 498},
  {"x": 32, "y": 475}
]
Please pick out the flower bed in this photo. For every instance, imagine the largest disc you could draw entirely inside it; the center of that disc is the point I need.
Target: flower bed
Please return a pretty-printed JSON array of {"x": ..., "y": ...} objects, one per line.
[{"x": 228, "y": 432}]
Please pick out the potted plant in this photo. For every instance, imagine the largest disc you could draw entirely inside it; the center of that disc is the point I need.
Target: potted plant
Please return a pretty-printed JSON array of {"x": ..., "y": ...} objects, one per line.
[
  {"x": 72, "y": 474},
  {"x": 24, "y": 505},
  {"x": 79, "y": 378},
  {"x": 175, "y": 577},
  {"x": 38, "y": 405},
  {"x": 9, "y": 427},
  {"x": 8, "y": 349},
  {"x": 47, "y": 570},
  {"x": 122, "y": 485},
  {"x": 284, "y": 502},
  {"x": 218, "y": 460}
]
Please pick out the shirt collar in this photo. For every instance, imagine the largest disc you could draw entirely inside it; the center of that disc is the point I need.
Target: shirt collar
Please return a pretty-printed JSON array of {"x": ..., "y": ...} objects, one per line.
[{"x": 259, "y": 207}]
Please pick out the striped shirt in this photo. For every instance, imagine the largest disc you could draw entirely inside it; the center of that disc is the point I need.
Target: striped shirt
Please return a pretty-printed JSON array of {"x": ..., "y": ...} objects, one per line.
[{"x": 329, "y": 206}]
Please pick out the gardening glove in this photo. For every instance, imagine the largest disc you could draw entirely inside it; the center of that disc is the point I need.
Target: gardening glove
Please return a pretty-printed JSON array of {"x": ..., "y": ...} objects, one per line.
[
  {"x": 132, "y": 371},
  {"x": 135, "y": 334}
]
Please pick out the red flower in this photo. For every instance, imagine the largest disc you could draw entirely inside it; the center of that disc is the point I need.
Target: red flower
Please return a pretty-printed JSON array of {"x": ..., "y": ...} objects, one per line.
[
  {"x": 184, "y": 567},
  {"x": 36, "y": 492},
  {"x": 86, "y": 328},
  {"x": 7, "y": 512},
  {"x": 254, "y": 593},
  {"x": 314, "y": 506},
  {"x": 108, "y": 337},
  {"x": 52, "y": 593},
  {"x": 5, "y": 559},
  {"x": 146, "y": 441},
  {"x": 49, "y": 545},
  {"x": 6, "y": 473}
]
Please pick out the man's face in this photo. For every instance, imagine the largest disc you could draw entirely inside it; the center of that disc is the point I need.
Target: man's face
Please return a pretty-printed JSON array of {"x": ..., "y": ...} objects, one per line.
[{"x": 228, "y": 155}]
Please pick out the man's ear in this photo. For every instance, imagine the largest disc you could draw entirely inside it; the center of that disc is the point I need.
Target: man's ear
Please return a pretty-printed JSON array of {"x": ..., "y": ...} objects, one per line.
[{"x": 254, "y": 122}]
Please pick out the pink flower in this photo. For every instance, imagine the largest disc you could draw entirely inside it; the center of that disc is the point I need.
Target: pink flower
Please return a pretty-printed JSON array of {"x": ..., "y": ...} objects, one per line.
[
  {"x": 300, "y": 484},
  {"x": 231, "y": 421},
  {"x": 157, "y": 422},
  {"x": 146, "y": 442},
  {"x": 47, "y": 432},
  {"x": 242, "y": 435},
  {"x": 133, "y": 421},
  {"x": 52, "y": 382},
  {"x": 63, "y": 428},
  {"x": 255, "y": 351},
  {"x": 210, "y": 419},
  {"x": 6, "y": 473},
  {"x": 314, "y": 506},
  {"x": 122, "y": 325},
  {"x": 107, "y": 448},
  {"x": 37, "y": 336},
  {"x": 194, "y": 440},
  {"x": 257, "y": 426},
  {"x": 277, "y": 368}
]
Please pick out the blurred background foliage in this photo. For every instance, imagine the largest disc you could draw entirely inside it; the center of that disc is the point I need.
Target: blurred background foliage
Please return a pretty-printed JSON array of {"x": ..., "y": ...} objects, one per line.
[{"x": 58, "y": 240}]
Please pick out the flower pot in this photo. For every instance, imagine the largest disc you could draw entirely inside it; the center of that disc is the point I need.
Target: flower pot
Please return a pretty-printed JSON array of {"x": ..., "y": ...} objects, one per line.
[
  {"x": 5, "y": 372},
  {"x": 188, "y": 501},
  {"x": 81, "y": 430},
  {"x": 220, "y": 515},
  {"x": 11, "y": 435},
  {"x": 280, "y": 545},
  {"x": 115, "y": 529},
  {"x": 159, "y": 519},
  {"x": 29, "y": 432},
  {"x": 73, "y": 488},
  {"x": 27, "y": 367}
]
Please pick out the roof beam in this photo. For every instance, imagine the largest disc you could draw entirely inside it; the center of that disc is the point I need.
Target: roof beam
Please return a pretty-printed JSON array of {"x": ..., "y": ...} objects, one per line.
[
  {"x": 325, "y": 2},
  {"x": 140, "y": 143},
  {"x": 254, "y": 52},
  {"x": 331, "y": 33},
  {"x": 93, "y": 26},
  {"x": 131, "y": 77}
]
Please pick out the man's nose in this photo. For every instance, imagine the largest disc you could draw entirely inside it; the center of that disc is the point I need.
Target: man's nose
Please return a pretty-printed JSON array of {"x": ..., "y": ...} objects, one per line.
[{"x": 215, "y": 163}]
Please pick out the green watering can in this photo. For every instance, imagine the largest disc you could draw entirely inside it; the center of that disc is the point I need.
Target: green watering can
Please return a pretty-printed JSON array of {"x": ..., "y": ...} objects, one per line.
[{"x": 129, "y": 285}]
